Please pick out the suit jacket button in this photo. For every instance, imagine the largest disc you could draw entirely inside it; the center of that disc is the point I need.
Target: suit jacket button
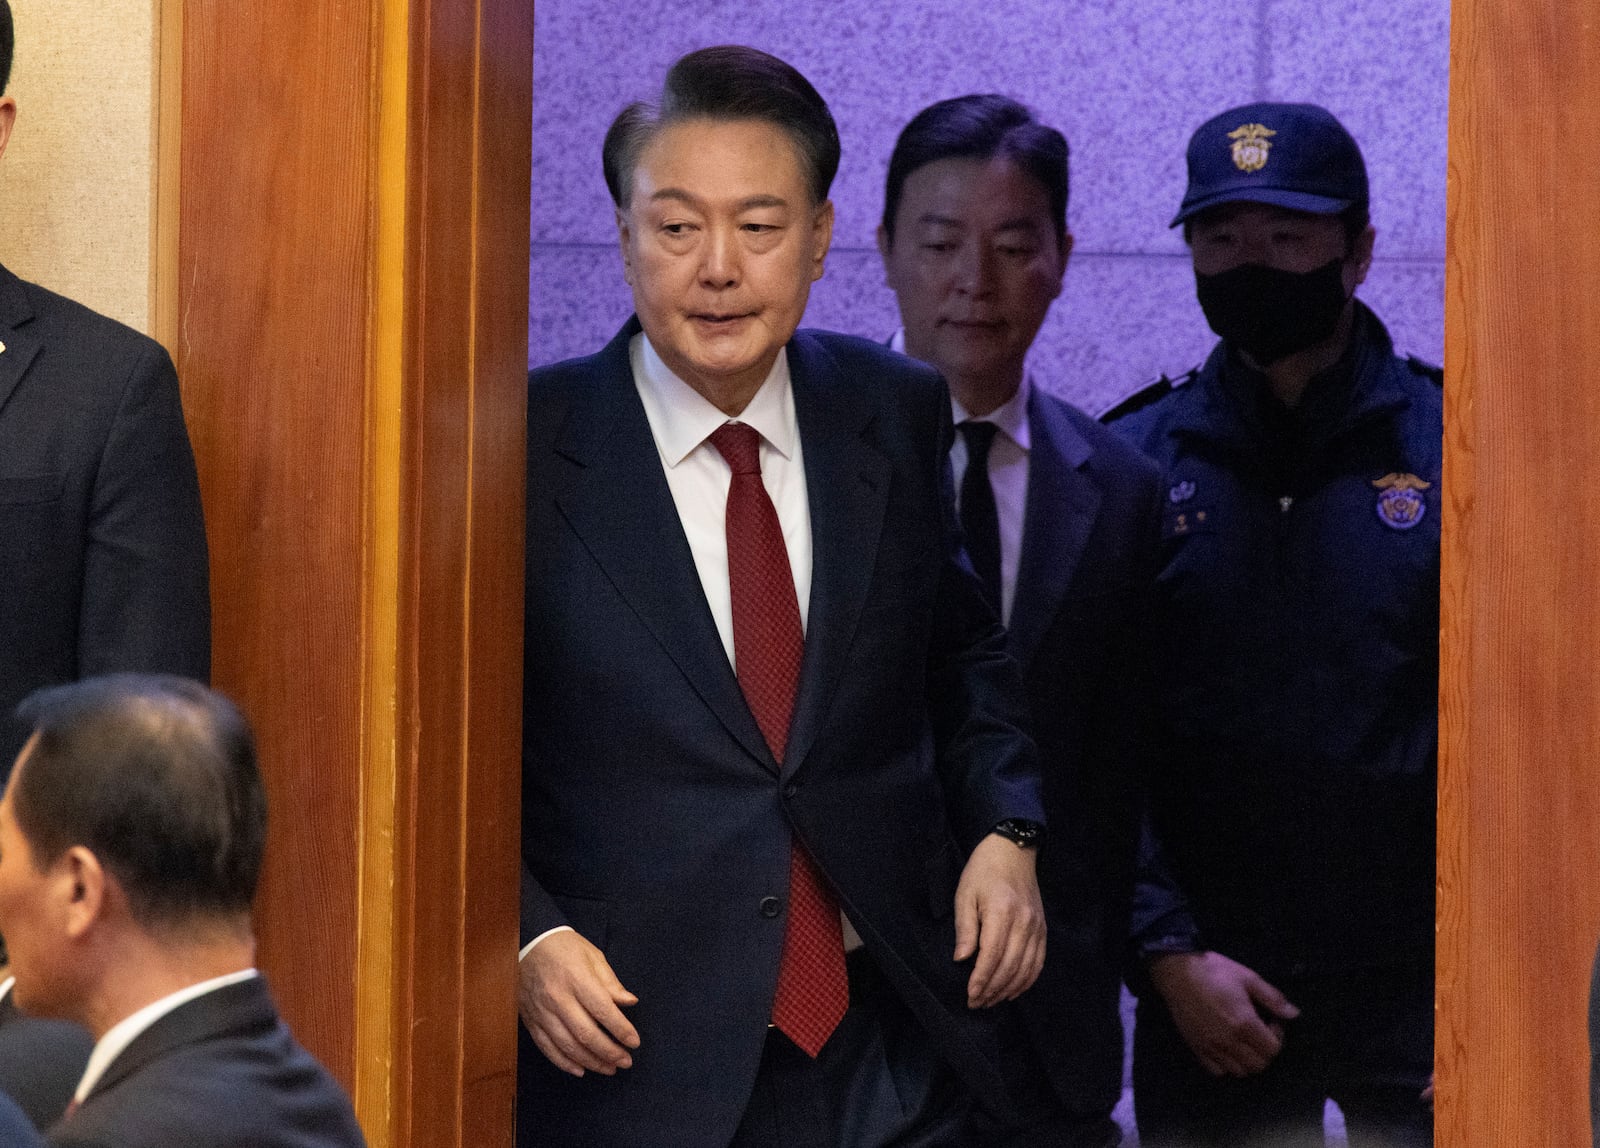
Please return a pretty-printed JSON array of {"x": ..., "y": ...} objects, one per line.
[
  {"x": 791, "y": 789},
  {"x": 771, "y": 907}
]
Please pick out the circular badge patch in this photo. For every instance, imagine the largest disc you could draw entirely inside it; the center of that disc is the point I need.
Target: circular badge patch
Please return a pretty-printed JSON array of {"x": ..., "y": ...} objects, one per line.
[{"x": 1400, "y": 508}]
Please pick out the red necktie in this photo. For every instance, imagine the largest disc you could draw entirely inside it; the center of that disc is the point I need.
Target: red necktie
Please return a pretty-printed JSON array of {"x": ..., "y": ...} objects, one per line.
[{"x": 813, "y": 992}]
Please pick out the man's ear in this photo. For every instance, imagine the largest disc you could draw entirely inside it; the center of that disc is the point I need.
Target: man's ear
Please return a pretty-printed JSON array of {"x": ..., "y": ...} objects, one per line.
[
  {"x": 1361, "y": 256},
  {"x": 625, "y": 242},
  {"x": 82, "y": 888},
  {"x": 1066, "y": 257},
  {"x": 8, "y": 117},
  {"x": 821, "y": 237}
]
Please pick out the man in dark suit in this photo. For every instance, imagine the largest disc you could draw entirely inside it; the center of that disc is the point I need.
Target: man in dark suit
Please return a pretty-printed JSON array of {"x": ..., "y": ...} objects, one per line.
[
  {"x": 762, "y": 687},
  {"x": 15, "y": 1130},
  {"x": 131, "y": 836},
  {"x": 41, "y": 1061},
  {"x": 1061, "y": 519},
  {"x": 102, "y": 546}
]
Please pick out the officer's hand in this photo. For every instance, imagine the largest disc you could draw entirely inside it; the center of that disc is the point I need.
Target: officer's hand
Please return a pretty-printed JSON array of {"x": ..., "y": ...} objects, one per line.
[
  {"x": 1000, "y": 917},
  {"x": 568, "y": 998},
  {"x": 1230, "y": 1018}
]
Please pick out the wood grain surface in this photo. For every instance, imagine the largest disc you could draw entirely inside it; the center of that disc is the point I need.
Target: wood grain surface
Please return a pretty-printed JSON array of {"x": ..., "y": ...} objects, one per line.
[
  {"x": 1519, "y": 828},
  {"x": 351, "y": 294}
]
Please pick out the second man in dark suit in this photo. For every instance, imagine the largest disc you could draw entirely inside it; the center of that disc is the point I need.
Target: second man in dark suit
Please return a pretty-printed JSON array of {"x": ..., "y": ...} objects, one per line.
[
  {"x": 102, "y": 545},
  {"x": 1061, "y": 520}
]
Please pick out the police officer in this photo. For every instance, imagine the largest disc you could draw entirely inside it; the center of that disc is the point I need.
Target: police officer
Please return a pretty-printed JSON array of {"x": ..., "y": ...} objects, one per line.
[{"x": 1284, "y": 920}]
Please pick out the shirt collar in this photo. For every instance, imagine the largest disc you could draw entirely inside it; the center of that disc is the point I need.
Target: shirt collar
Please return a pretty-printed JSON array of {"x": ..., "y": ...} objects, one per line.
[
  {"x": 120, "y": 1035},
  {"x": 1010, "y": 416},
  {"x": 683, "y": 418}
]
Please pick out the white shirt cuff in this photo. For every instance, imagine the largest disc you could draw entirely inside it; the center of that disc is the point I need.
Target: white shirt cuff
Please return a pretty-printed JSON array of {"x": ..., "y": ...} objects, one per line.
[{"x": 528, "y": 948}]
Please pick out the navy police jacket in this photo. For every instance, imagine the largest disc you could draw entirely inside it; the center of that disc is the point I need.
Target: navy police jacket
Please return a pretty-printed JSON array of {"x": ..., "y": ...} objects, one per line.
[{"x": 1296, "y": 663}]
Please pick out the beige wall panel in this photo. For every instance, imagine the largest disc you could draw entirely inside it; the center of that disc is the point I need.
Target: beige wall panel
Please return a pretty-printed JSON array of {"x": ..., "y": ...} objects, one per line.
[{"x": 76, "y": 182}]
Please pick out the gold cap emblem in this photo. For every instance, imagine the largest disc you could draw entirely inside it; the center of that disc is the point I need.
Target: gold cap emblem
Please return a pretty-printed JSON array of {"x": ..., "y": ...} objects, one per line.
[
  {"x": 1397, "y": 481},
  {"x": 1251, "y": 143}
]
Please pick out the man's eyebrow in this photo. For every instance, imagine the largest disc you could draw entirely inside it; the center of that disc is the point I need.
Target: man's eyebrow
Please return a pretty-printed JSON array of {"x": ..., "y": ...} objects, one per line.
[
  {"x": 750, "y": 203},
  {"x": 676, "y": 194}
]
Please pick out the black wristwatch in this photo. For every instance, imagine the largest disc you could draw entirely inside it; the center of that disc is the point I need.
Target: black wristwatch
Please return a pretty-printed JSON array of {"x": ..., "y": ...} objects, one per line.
[{"x": 1022, "y": 833}]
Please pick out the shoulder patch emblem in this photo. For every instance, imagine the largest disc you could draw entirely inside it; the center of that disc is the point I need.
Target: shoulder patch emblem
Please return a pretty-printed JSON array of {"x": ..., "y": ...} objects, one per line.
[
  {"x": 1400, "y": 505},
  {"x": 1251, "y": 143},
  {"x": 1148, "y": 395}
]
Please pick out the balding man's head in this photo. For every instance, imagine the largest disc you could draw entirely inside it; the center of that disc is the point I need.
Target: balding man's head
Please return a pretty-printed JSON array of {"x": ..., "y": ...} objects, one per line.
[{"x": 154, "y": 775}]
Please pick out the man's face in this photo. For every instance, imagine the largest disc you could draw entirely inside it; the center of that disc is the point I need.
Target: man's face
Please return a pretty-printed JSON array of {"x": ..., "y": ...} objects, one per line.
[
  {"x": 721, "y": 242},
  {"x": 30, "y": 911},
  {"x": 1235, "y": 234},
  {"x": 975, "y": 264}
]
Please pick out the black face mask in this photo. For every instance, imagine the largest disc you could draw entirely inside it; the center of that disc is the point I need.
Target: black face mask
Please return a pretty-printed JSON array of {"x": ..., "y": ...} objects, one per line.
[{"x": 1271, "y": 314}]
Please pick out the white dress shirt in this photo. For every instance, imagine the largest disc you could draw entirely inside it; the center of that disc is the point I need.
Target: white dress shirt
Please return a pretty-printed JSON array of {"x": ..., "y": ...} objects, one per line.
[
  {"x": 122, "y": 1034},
  {"x": 1008, "y": 473}
]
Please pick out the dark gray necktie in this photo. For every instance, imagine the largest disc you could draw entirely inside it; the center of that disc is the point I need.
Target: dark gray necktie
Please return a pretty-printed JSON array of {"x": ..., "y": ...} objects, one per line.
[{"x": 980, "y": 521}]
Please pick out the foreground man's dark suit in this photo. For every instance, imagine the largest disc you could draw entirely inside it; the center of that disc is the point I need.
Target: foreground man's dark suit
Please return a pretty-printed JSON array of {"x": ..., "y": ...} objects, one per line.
[
  {"x": 102, "y": 546},
  {"x": 1089, "y": 551},
  {"x": 15, "y": 1130},
  {"x": 221, "y": 1071},
  {"x": 655, "y": 820},
  {"x": 41, "y": 1062}
]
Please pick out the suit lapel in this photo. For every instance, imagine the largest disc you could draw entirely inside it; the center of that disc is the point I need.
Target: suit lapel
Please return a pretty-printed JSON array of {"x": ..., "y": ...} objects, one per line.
[
  {"x": 20, "y": 346},
  {"x": 232, "y": 1008},
  {"x": 847, "y": 486},
  {"x": 1059, "y": 513},
  {"x": 621, "y": 508}
]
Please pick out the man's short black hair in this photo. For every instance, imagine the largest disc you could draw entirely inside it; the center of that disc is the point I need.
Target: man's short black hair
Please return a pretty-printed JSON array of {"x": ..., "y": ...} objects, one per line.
[
  {"x": 8, "y": 45},
  {"x": 156, "y": 776},
  {"x": 727, "y": 83},
  {"x": 980, "y": 127}
]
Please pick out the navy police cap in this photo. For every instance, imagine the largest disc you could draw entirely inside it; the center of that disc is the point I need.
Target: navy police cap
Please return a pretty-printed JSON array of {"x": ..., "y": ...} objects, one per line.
[{"x": 1287, "y": 155}]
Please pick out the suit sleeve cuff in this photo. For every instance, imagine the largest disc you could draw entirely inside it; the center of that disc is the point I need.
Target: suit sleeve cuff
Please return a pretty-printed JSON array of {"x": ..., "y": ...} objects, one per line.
[{"x": 528, "y": 948}]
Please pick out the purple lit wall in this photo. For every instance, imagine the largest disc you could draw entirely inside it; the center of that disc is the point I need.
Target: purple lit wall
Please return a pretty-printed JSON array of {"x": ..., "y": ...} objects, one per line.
[{"x": 1126, "y": 80}]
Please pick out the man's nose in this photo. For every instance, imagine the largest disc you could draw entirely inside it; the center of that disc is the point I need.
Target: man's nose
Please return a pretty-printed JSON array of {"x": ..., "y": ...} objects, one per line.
[
  {"x": 975, "y": 272},
  {"x": 720, "y": 262}
]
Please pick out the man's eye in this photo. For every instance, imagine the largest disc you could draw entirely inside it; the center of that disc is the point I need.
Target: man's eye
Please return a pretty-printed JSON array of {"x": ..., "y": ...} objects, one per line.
[
  {"x": 760, "y": 228},
  {"x": 675, "y": 228},
  {"x": 938, "y": 246}
]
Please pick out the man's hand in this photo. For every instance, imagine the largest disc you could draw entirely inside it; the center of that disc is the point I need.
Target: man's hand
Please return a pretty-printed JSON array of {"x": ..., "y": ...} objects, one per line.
[
  {"x": 1000, "y": 917},
  {"x": 569, "y": 997},
  {"x": 1230, "y": 1018}
]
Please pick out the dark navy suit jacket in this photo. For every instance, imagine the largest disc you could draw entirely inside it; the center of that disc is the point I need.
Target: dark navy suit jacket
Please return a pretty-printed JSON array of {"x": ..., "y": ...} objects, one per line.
[
  {"x": 41, "y": 1062},
  {"x": 220, "y": 1071},
  {"x": 102, "y": 545},
  {"x": 656, "y": 821},
  {"x": 1091, "y": 528}
]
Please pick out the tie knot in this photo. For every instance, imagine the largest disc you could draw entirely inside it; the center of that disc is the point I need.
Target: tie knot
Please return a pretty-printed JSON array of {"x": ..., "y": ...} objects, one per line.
[
  {"x": 979, "y": 437},
  {"x": 740, "y": 445}
]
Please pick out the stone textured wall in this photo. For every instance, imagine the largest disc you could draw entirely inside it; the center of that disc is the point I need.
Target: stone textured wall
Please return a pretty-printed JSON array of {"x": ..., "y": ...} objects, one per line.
[{"x": 1126, "y": 80}]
